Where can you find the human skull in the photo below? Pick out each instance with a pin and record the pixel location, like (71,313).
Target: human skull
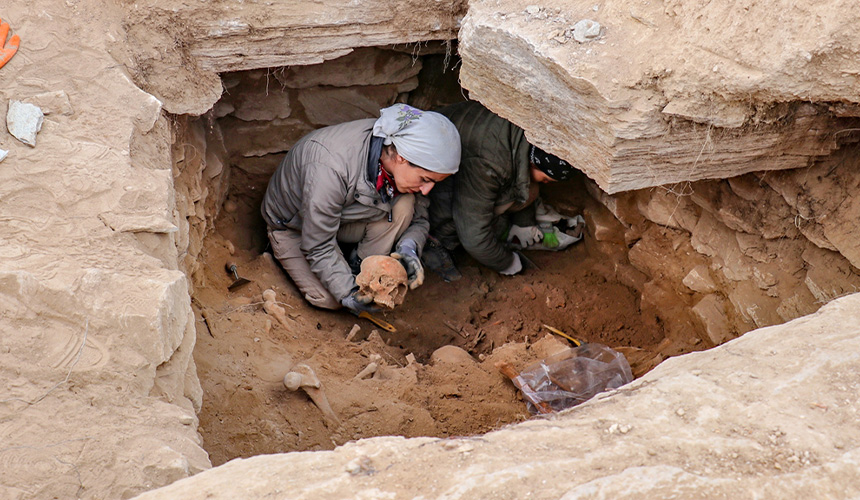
(383,278)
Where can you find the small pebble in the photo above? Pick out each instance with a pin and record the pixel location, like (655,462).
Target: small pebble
(586,30)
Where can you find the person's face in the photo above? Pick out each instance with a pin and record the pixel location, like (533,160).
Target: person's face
(539,176)
(408,177)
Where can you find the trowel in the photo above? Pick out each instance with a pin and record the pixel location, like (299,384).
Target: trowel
(231,268)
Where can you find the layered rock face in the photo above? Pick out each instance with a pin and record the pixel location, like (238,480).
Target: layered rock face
(670,91)
(743,253)
(660,95)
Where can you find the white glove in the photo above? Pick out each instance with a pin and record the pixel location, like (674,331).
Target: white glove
(545,213)
(515,267)
(524,236)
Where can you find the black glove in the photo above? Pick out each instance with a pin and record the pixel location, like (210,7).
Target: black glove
(357,303)
(407,253)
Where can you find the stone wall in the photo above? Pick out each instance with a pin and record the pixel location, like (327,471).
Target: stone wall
(264,112)
(745,252)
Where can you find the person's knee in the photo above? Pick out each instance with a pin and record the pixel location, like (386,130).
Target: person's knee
(324,301)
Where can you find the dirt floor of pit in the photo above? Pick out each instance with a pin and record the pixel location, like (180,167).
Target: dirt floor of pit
(242,353)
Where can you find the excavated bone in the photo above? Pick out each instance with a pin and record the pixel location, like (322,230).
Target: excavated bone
(384,279)
(271,307)
(303,377)
(369,370)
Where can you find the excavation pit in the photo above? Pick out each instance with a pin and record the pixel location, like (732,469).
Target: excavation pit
(242,353)
(641,281)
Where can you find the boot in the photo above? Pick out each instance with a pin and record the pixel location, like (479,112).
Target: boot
(438,259)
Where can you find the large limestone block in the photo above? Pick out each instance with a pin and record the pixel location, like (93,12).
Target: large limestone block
(259,138)
(711,313)
(769,415)
(175,49)
(330,106)
(363,66)
(258,96)
(666,92)
(667,208)
(828,275)
(843,228)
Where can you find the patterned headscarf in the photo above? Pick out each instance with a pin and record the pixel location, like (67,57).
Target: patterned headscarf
(551,165)
(426,139)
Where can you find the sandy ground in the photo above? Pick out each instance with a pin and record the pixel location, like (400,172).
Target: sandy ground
(242,353)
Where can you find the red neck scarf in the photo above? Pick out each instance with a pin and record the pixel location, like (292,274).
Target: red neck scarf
(385,183)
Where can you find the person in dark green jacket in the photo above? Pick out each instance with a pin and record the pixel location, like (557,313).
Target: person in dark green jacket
(491,206)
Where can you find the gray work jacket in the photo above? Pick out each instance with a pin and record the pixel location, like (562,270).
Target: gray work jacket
(325,181)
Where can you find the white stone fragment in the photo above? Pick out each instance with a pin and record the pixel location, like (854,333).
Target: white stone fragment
(24,121)
(532,10)
(3,154)
(586,30)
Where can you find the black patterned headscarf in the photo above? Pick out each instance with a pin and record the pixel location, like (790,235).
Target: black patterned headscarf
(551,165)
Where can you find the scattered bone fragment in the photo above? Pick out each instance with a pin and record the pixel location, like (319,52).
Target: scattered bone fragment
(271,307)
(383,278)
(352,333)
(230,247)
(303,377)
(368,371)
(375,337)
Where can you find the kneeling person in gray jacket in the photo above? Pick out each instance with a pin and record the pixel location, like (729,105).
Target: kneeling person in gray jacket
(363,182)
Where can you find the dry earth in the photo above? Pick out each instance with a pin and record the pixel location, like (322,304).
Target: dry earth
(243,353)
(101,237)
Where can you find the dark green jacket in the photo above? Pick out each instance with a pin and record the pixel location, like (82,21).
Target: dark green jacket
(494,170)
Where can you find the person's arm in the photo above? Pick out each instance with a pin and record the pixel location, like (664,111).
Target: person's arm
(420,225)
(477,187)
(323,198)
(409,246)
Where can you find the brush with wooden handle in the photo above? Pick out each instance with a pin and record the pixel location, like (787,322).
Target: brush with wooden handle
(509,371)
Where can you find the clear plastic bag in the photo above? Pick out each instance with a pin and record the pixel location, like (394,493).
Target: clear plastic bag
(574,376)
